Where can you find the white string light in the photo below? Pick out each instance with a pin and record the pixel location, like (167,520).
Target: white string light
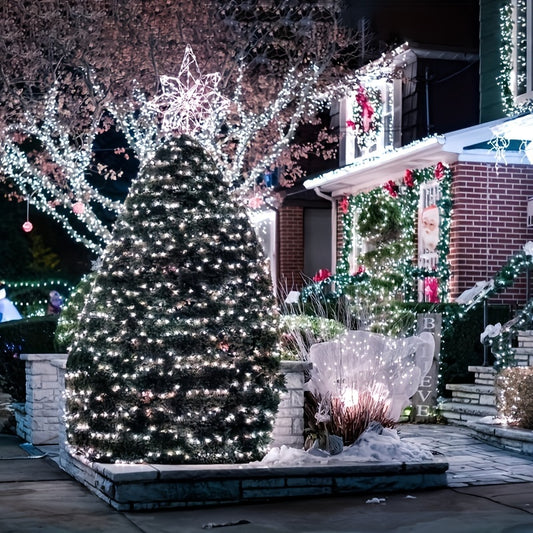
(167,339)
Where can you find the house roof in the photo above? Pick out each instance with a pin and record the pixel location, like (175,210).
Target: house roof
(468,144)
(406,53)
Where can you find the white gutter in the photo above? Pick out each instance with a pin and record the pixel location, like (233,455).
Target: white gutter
(369,172)
(333,251)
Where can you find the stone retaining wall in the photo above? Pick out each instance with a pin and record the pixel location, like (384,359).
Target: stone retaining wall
(523,353)
(39,420)
(289,424)
(140,487)
(511,439)
(137,487)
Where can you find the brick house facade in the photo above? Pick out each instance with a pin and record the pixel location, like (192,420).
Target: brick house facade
(490,187)
(489,216)
(489,224)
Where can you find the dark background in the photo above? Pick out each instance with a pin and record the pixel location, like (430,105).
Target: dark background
(436,22)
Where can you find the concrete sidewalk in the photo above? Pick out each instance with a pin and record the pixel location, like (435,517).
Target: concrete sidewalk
(490,491)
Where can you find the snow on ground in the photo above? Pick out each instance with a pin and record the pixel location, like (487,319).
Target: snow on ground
(383,445)
(489,420)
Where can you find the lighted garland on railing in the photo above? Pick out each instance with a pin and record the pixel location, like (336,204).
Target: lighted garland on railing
(505,277)
(501,344)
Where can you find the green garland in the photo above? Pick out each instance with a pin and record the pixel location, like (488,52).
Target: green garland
(510,28)
(502,344)
(396,215)
(387,216)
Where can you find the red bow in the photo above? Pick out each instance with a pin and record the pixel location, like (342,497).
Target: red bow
(343,205)
(321,275)
(367,109)
(439,171)
(408,178)
(392,188)
(360,270)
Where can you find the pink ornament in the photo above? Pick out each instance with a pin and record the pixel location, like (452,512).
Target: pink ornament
(255,202)
(27,226)
(78,208)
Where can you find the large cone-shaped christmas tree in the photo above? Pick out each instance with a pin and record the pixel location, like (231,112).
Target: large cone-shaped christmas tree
(175,357)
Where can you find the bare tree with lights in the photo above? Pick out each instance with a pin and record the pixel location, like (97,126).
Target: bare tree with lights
(273,60)
(56,176)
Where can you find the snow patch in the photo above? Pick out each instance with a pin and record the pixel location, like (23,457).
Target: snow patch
(372,446)
(376,500)
(489,420)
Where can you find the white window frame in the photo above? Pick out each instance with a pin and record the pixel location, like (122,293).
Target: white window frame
(387,138)
(360,246)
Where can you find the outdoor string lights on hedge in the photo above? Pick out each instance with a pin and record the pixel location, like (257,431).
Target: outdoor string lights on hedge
(175,356)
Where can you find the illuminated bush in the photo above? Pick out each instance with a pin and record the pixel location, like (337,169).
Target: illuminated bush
(69,318)
(175,356)
(514,396)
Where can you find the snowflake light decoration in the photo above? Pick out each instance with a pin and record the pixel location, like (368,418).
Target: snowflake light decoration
(189,102)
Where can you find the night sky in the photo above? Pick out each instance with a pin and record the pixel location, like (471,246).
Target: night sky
(431,22)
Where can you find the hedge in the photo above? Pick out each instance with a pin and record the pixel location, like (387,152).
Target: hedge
(29,335)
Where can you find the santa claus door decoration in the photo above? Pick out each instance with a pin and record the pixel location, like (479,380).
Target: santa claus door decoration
(428,240)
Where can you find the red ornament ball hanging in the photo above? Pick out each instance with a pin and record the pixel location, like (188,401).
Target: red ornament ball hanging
(27,226)
(78,208)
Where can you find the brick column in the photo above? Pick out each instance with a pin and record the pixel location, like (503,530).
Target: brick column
(291,247)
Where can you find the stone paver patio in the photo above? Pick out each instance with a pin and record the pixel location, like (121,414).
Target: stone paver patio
(471,461)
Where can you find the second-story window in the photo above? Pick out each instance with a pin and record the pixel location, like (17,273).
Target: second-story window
(371,119)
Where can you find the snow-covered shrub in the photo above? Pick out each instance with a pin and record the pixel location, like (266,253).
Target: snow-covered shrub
(361,377)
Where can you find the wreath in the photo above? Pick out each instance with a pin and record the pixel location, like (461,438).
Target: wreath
(367,112)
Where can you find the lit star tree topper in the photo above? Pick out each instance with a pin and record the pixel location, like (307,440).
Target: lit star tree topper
(189,101)
(233,127)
